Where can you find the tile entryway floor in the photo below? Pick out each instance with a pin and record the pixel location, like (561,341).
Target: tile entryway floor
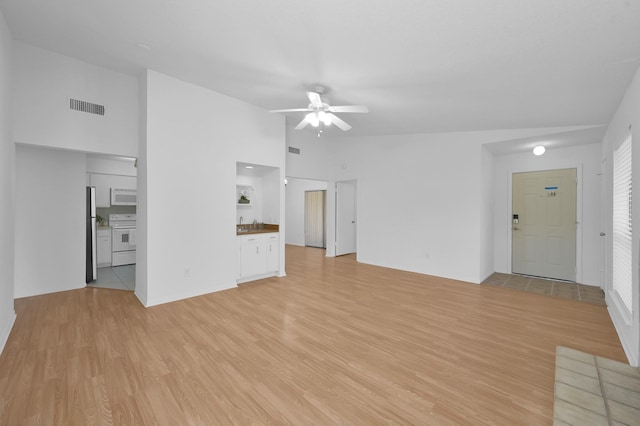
(116,277)
(590,390)
(567,290)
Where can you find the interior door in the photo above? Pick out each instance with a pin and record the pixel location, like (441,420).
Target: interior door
(544,224)
(314,218)
(345,218)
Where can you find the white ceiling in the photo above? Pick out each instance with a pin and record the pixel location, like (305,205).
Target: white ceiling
(419,65)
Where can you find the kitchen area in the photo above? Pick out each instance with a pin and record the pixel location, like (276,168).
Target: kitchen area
(111,222)
(257,222)
(111,207)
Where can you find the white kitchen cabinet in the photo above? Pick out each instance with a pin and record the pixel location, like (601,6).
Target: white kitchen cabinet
(273,252)
(102,183)
(124,182)
(258,256)
(253,256)
(103,248)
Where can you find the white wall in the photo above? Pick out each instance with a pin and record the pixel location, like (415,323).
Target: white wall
(7,161)
(585,158)
(44,82)
(271,184)
(265,198)
(415,195)
(314,157)
(252,211)
(487,214)
(194,137)
(418,205)
(295,193)
(626,118)
(424,201)
(49,248)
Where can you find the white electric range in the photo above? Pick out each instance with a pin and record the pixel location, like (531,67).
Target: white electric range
(123,239)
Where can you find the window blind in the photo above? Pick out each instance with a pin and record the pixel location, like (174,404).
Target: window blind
(622,224)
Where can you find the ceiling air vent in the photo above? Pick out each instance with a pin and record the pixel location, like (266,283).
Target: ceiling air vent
(86,107)
(294,150)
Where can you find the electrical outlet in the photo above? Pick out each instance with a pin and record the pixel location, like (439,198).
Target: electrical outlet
(187,272)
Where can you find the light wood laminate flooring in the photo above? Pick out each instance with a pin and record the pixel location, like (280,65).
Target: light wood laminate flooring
(334,342)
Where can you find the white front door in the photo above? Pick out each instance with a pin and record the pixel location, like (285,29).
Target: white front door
(544,224)
(345,218)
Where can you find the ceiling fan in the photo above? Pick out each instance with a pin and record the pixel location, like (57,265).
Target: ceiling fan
(320,112)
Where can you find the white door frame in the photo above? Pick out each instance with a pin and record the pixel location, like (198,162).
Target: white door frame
(331,216)
(508,224)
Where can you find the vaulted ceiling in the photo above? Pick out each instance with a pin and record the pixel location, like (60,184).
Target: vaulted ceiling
(419,65)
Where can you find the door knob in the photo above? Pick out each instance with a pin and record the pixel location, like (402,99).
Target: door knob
(515,228)
(602,234)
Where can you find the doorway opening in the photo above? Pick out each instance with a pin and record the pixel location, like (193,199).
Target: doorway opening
(544,205)
(339,214)
(307,221)
(315,219)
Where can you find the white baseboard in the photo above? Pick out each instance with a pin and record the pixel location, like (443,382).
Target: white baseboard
(257,277)
(623,330)
(185,295)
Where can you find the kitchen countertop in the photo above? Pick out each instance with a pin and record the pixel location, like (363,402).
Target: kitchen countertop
(256,231)
(267,229)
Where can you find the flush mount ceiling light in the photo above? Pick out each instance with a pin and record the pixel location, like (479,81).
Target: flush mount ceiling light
(539,150)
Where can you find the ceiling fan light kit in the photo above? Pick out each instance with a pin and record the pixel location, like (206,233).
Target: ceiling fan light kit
(319,111)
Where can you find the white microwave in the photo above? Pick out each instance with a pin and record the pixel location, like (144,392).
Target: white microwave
(123,197)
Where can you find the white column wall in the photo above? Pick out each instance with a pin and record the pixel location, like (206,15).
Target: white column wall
(142,211)
(50,220)
(194,137)
(7,161)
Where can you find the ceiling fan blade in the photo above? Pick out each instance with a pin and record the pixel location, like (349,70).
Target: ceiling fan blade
(302,124)
(342,125)
(314,98)
(290,110)
(349,108)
